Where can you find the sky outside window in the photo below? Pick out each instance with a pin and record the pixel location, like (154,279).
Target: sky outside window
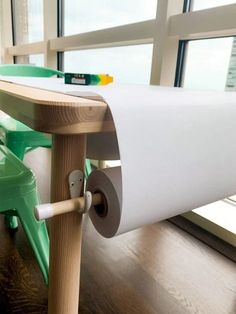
(28,21)
(207,63)
(129,64)
(206,4)
(86,15)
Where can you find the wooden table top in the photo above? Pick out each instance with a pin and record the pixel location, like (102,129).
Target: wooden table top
(53,112)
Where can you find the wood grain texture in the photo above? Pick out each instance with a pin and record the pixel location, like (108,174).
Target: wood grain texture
(115,280)
(206,237)
(68,154)
(52,112)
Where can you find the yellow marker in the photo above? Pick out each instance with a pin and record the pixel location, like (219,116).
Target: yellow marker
(105,79)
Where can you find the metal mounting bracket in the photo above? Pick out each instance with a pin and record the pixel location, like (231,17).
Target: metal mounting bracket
(76,178)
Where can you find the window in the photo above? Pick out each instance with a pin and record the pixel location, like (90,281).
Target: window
(205,4)
(130,64)
(37,59)
(209,64)
(104,14)
(28,21)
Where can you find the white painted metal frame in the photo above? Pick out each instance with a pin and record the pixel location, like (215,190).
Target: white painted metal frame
(132,34)
(214,22)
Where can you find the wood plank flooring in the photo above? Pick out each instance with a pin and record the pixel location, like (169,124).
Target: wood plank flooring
(156,269)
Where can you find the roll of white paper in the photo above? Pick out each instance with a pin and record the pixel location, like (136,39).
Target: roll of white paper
(106,218)
(177,150)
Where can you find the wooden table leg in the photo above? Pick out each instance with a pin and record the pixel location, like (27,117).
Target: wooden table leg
(68,153)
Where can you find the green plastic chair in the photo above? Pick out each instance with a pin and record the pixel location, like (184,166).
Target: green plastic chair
(18,137)
(18,197)
(28,70)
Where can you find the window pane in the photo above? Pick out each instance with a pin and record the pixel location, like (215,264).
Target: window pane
(205,4)
(209,64)
(130,64)
(28,21)
(1,29)
(37,59)
(85,15)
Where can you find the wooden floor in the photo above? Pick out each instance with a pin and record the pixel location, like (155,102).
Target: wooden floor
(156,269)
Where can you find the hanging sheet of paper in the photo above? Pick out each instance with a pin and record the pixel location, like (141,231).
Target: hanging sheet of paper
(177,150)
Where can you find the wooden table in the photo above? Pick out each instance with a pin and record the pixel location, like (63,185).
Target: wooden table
(68,119)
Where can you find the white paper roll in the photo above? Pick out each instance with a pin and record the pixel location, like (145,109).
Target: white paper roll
(178,152)
(106,219)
